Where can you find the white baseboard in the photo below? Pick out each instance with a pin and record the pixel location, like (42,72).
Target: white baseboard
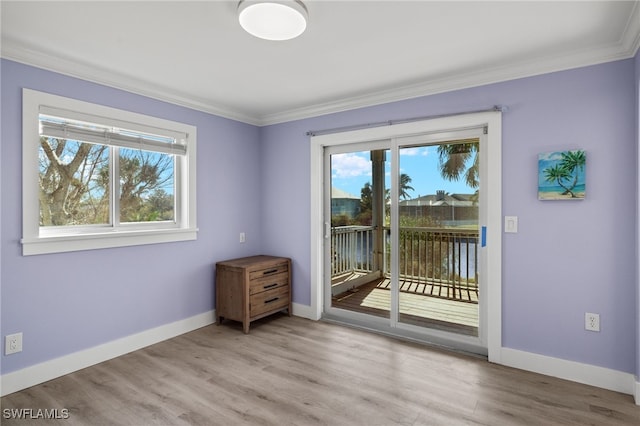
(578,372)
(40,373)
(587,374)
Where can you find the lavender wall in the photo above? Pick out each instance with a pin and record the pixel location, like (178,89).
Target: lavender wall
(637,67)
(568,257)
(67,302)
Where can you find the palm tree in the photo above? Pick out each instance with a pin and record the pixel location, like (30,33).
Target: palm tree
(366,197)
(572,161)
(453,162)
(405,180)
(366,193)
(559,174)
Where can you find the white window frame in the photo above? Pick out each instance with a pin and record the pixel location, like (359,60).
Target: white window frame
(39,241)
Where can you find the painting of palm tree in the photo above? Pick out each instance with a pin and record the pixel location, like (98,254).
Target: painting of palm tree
(561,175)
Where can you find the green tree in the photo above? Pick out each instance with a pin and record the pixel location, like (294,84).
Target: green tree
(162,203)
(75,184)
(453,161)
(366,197)
(366,205)
(405,180)
(71,191)
(142,173)
(341,220)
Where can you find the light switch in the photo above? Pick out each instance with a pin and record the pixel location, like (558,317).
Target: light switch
(511,224)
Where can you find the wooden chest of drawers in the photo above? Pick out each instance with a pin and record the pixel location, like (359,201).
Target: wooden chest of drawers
(253,287)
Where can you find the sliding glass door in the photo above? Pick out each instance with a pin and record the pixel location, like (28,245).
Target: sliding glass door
(401,232)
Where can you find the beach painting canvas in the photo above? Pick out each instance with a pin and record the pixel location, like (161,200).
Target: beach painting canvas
(561,175)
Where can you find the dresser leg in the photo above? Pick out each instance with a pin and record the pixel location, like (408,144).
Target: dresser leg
(245,327)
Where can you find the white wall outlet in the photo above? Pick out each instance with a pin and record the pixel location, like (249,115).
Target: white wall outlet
(591,321)
(243,237)
(12,343)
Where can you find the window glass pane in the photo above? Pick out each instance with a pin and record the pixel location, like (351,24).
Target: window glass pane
(74,183)
(438,236)
(360,231)
(146,186)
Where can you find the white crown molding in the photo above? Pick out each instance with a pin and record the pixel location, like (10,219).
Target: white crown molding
(625,48)
(630,40)
(21,52)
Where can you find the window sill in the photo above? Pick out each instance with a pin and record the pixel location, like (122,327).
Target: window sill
(78,242)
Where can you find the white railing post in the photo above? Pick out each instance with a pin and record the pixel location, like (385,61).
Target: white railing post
(442,264)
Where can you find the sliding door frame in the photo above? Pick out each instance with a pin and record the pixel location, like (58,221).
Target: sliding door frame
(491,166)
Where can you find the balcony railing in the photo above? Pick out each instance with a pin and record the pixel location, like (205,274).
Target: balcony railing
(444,261)
(352,248)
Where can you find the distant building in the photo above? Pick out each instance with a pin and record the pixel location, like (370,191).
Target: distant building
(343,203)
(448,209)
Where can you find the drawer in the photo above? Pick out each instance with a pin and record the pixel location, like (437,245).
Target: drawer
(268,282)
(270,300)
(271,270)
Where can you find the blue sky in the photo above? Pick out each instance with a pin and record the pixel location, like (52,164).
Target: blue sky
(351,171)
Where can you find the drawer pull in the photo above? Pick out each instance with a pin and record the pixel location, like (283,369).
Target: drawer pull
(269,286)
(270,271)
(271,300)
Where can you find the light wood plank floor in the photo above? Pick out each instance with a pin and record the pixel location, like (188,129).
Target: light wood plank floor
(292,371)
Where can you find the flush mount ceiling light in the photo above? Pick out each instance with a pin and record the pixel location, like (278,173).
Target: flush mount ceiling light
(273,19)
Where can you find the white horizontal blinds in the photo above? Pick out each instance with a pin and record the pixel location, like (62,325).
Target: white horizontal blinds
(58,124)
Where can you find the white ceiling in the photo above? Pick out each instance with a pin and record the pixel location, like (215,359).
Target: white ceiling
(354,53)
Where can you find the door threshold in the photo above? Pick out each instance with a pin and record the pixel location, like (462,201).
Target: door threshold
(442,340)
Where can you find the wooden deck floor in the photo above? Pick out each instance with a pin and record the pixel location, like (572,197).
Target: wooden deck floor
(417,306)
